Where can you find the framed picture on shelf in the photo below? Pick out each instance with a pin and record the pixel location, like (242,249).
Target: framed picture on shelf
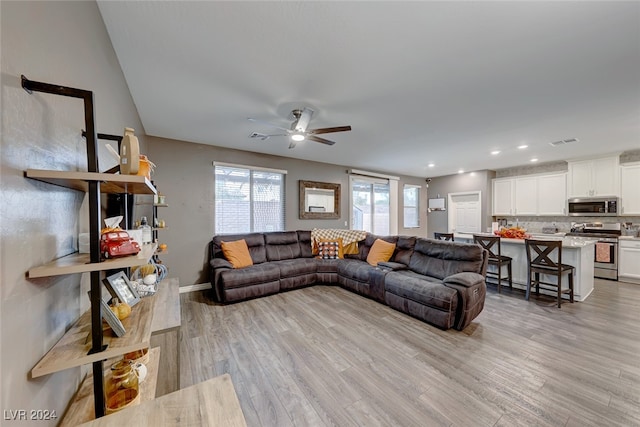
(110,317)
(120,287)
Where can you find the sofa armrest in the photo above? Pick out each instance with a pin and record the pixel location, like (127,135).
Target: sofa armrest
(392,266)
(220,263)
(466,279)
(472,291)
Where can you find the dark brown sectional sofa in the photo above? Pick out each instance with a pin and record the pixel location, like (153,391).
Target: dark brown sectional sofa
(441,283)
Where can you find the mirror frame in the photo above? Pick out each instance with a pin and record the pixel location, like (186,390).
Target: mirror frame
(325,186)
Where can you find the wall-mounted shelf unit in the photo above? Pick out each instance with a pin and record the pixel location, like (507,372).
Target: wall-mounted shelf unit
(86,342)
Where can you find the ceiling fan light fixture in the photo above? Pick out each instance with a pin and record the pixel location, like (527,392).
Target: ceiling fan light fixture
(297,137)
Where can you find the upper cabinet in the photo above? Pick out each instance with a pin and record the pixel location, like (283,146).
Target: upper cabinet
(503,196)
(595,177)
(630,189)
(552,194)
(530,195)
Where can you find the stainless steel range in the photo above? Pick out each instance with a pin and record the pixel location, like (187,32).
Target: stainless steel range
(606,251)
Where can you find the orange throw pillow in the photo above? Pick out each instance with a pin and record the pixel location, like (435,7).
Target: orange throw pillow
(237,253)
(381,251)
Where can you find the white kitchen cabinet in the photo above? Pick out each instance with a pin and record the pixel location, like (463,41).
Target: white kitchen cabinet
(552,194)
(525,195)
(630,189)
(594,177)
(544,194)
(629,260)
(503,196)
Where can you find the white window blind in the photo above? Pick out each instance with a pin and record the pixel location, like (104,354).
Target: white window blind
(411,201)
(248,199)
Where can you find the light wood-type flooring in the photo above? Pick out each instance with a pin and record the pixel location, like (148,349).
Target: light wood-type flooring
(324,356)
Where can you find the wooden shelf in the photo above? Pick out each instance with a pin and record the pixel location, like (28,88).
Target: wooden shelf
(81,407)
(72,349)
(210,403)
(80,263)
(110,183)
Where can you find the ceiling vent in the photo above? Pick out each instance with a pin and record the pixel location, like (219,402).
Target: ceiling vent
(563,142)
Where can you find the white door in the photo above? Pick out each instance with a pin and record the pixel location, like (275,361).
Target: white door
(464,212)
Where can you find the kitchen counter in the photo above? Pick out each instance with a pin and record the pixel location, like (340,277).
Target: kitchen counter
(576,251)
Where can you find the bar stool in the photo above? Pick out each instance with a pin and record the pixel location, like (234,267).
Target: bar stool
(490,243)
(539,253)
(443,236)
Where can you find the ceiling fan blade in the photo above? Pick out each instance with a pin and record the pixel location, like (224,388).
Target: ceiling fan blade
(318,139)
(329,130)
(303,121)
(268,124)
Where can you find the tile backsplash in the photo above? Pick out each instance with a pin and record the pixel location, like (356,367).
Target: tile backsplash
(535,224)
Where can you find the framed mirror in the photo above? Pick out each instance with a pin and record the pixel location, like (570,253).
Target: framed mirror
(319,200)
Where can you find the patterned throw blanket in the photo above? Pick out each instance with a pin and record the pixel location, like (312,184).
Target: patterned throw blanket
(349,238)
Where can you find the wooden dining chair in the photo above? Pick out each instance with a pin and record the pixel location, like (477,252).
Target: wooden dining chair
(443,236)
(492,245)
(540,260)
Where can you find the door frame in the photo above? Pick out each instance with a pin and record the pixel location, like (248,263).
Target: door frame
(451,205)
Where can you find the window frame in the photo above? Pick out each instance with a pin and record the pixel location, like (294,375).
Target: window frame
(416,208)
(252,199)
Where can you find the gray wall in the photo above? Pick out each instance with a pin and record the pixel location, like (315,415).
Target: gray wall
(63,43)
(459,183)
(184,174)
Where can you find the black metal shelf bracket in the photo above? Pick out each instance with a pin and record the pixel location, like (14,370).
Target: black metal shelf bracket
(94,224)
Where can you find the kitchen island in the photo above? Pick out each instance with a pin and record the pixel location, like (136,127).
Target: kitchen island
(576,251)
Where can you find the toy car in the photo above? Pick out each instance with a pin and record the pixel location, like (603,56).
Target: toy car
(117,244)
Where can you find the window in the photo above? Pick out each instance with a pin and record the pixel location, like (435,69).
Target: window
(248,199)
(411,195)
(370,205)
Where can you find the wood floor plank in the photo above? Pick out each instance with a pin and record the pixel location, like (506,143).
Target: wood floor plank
(323,356)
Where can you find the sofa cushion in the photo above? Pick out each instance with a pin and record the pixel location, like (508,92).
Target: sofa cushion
(355,269)
(404,249)
(282,245)
(237,253)
(254,275)
(296,267)
(415,287)
(304,240)
(255,242)
(440,259)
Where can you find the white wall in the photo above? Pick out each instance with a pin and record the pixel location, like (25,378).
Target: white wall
(62,43)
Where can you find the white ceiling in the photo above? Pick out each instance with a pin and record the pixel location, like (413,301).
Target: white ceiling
(419,82)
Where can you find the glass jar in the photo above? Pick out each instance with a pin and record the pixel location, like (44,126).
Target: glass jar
(121,387)
(146,230)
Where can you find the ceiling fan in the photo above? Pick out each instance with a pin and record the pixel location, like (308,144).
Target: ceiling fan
(298,131)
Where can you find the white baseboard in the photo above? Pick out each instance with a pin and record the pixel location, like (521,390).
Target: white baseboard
(194,288)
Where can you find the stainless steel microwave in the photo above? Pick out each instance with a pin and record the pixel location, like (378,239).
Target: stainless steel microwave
(593,206)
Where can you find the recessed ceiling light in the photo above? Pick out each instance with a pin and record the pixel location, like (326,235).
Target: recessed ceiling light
(522,147)
(534,160)
(431,165)
(460,170)
(495,152)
